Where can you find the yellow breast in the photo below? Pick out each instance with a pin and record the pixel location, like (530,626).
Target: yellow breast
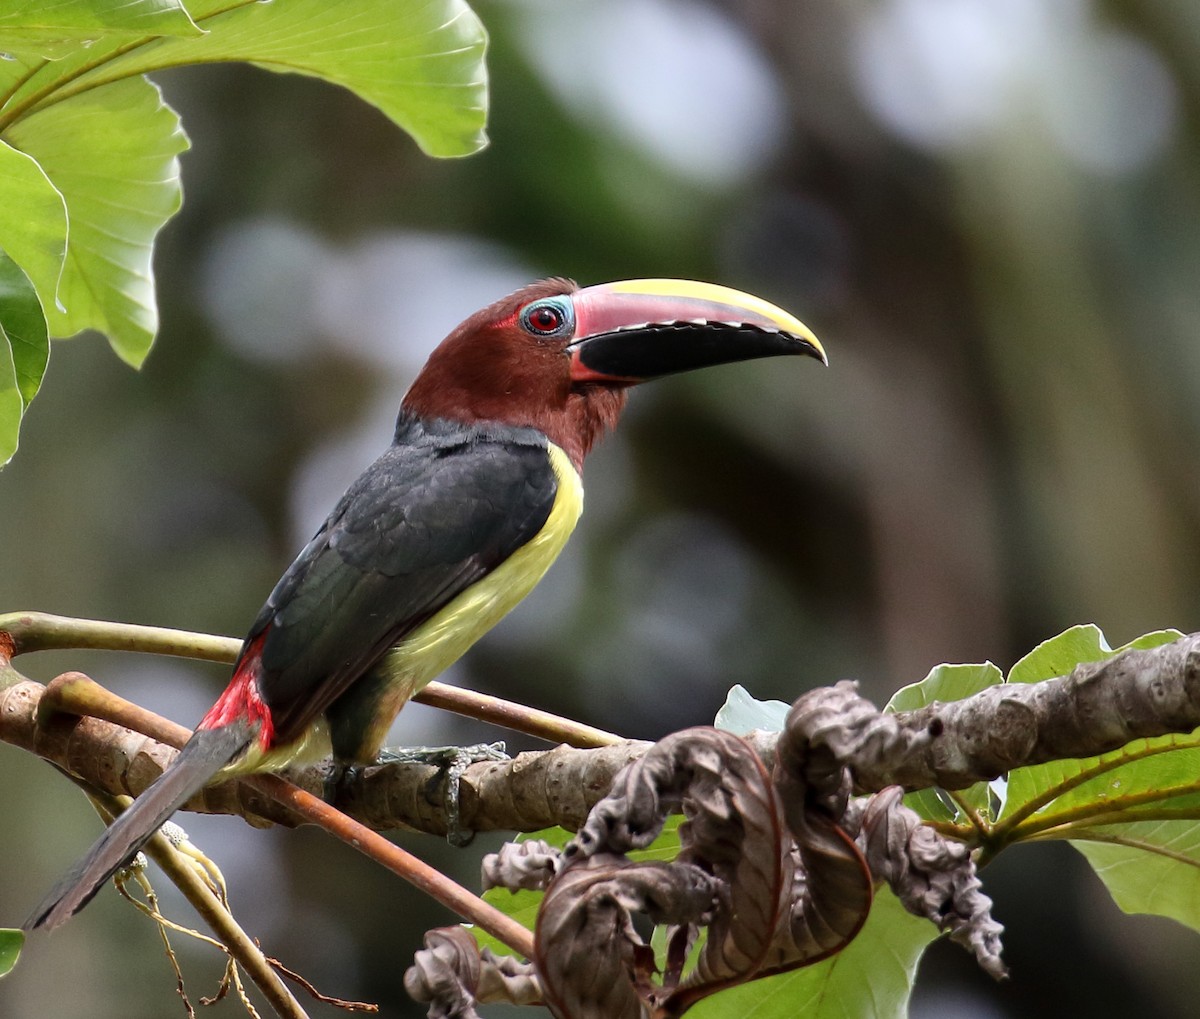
(441,640)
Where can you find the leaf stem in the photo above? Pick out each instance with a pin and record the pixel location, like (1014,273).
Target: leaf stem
(981,825)
(35,100)
(1102,767)
(20,83)
(1116,839)
(1105,813)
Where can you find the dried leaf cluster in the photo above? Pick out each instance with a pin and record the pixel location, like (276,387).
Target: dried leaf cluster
(775,871)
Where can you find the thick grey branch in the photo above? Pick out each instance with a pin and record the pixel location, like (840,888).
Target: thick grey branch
(1098,707)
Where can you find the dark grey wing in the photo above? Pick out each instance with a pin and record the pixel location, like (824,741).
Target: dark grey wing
(421,524)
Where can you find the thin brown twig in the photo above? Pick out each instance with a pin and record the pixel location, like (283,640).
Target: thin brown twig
(342,1003)
(150,906)
(399,861)
(44,631)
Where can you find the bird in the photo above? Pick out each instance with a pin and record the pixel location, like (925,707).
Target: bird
(444,533)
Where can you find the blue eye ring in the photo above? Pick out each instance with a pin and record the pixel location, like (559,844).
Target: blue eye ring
(549,317)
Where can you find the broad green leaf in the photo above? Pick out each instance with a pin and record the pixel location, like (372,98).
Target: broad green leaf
(10,949)
(871,979)
(53,29)
(24,350)
(741,713)
(33,221)
(947,683)
(1084,643)
(1060,654)
(113,154)
(106,141)
(1150,867)
(419,61)
(24,325)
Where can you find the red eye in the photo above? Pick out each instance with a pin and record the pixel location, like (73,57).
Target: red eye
(545,319)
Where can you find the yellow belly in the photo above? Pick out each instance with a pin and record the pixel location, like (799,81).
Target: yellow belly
(441,640)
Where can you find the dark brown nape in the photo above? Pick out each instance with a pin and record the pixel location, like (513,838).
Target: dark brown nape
(490,369)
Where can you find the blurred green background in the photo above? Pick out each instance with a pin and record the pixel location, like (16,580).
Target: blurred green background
(989,212)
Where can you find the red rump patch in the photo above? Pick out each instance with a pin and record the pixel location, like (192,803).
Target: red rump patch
(241,700)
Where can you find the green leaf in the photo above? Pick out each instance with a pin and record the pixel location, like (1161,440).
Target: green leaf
(10,949)
(33,221)
(1150,867)
(1084,643)
(871,979)
(947,683)
(24,351)
(742,713)
(54,29)
(91,132)
(11,404)
(1059,655)
(113,154)
(24,325)
(420,63)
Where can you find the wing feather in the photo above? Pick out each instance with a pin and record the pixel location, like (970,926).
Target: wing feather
(429,518)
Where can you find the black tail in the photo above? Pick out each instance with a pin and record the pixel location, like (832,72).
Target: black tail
(206,753)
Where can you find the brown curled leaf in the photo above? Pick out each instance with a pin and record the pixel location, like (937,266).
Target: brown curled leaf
(831,893)
(771,899)
(529,865)
(451,974)
(733,831)
(445,973)
(932,876)
(823,730)
(782,904)
(831,884)
(592,962)
(826,731)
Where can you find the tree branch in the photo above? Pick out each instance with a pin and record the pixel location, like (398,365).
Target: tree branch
(530,792)
(74,691)
(1098,707)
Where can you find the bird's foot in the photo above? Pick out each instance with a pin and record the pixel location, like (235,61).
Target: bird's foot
(442,757)
(454,761)
(338,776)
